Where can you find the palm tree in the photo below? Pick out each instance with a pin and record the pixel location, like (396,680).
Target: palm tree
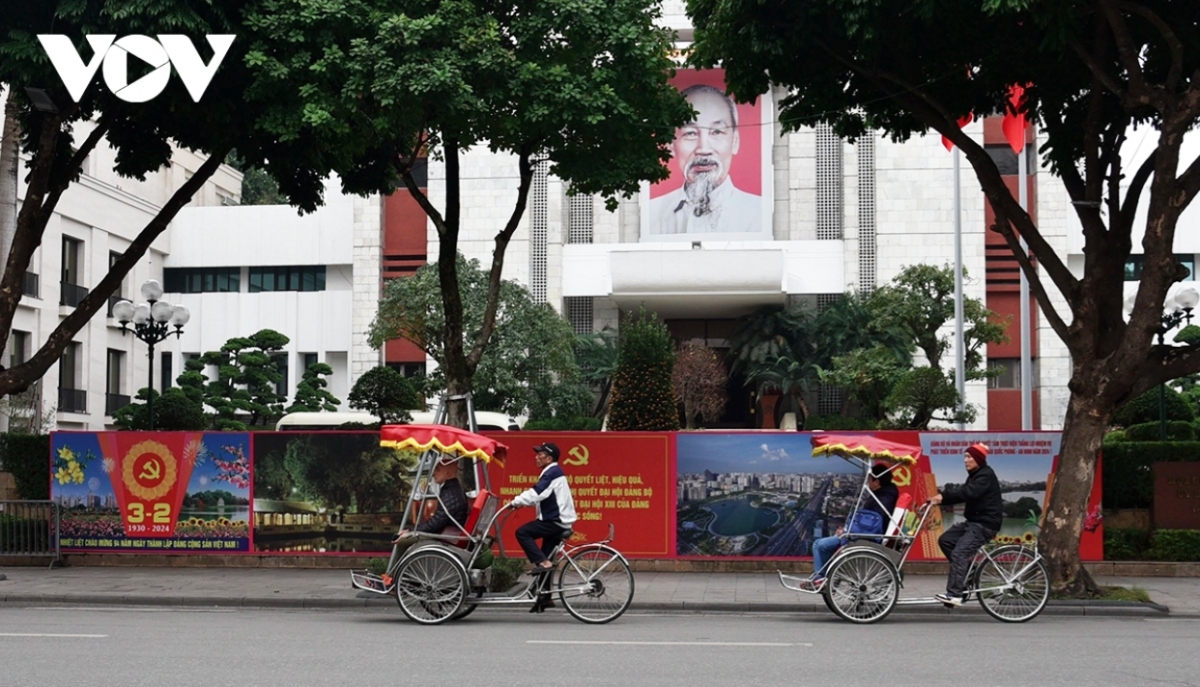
(597,356)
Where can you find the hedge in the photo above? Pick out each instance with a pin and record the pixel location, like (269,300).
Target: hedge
(1143,545)
(1128,479)
(27,457)
(1176,430)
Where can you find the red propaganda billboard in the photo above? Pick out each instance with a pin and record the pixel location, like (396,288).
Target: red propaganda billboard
(620,479)
(152,491)
(764,494)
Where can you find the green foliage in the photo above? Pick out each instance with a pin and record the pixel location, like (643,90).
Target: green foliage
(558,80)
(1176,430)
(505,572)
(1128,477)
(174,410)
(700,383)
(867,375)
(919,302)
(597,357)
(375,480)
(559,424)
(140,139)
(528,367)
(27,457)
(243,394)
(1188,335)
(1126,544)
(1175,545)
(1145,408)
(386,394)
(312,396)
(642,397)
(1144,545)
(918,396)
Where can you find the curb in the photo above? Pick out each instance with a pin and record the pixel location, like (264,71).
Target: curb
(1056,608)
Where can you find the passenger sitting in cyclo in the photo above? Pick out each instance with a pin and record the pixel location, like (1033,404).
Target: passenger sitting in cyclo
(871,518)
(451,509)
(555,516)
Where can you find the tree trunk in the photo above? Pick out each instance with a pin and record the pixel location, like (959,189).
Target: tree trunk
(9,155)
(1082,434)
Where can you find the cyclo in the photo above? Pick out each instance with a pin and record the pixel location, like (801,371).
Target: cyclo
(863,579)
(446,576)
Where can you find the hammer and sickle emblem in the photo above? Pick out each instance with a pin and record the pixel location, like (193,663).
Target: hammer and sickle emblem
(902,476)
(151,470)
(579,455)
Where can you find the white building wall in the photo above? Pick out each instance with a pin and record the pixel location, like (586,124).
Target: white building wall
(106,212)
(344,236)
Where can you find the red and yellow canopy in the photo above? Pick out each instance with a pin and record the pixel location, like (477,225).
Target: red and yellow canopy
(866,447)
(449,440)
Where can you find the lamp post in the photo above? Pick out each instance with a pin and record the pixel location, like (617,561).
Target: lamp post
(152,322)
(1176,311)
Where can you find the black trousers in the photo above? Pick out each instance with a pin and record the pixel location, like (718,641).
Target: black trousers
(960,543)
(551,534)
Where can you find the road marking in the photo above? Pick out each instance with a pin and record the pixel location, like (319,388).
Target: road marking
(40,634)
(634,643)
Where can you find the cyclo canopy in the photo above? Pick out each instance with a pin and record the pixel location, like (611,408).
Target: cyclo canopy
(444,439)
(866,448)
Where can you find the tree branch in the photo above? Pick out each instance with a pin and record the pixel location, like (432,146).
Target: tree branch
(1128,54)
(1133,196)
(1172,40)
(20,377)
(525,168)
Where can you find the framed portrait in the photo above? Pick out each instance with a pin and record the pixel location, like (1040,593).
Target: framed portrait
(721,182)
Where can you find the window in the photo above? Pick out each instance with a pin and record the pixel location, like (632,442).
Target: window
(114,400)
(167,376)
(1010,373)
(71,250)
(71,399)
(287,278)
(281,387)
(116,364)
(309,360)
(72,272)
(18,348)
(409,369)
(202,279)
(1136,263)
(113,256)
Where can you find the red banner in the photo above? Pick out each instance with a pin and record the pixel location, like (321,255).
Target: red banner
(622,479)
(150,476)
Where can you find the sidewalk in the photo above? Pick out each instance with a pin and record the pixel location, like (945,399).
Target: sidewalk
(655,591)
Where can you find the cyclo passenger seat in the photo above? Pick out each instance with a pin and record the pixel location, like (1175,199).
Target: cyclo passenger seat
(478,518)
(896,524)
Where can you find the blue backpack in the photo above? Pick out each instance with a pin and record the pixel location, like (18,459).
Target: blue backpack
(866,522)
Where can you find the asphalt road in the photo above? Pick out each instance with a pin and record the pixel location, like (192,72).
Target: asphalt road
(136,647)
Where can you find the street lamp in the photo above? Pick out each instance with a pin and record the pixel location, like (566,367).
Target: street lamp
(1176,311)
(152,322)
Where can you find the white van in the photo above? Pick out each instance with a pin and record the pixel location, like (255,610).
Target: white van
(486,420)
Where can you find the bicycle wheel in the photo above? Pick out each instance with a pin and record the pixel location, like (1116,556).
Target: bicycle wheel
(596,584)
(431,586)
(1013,586)
(862,587)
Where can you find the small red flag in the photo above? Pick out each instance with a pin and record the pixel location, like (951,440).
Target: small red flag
(1014,120)
(962,121)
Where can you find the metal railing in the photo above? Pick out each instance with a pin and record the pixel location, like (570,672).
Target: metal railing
(31,528)
(72,294)
(115,402)
(72,400)
(30,285)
